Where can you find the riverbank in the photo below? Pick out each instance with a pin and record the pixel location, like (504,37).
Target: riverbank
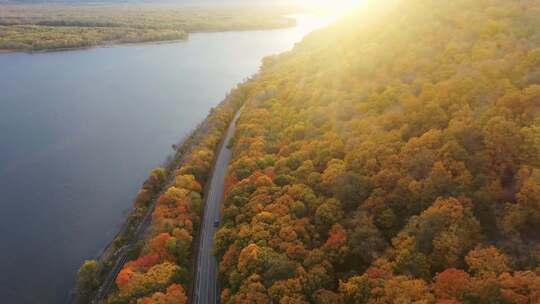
(176,213)
(108,45)
(125,245)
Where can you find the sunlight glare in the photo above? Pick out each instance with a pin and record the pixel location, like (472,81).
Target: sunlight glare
(334,7)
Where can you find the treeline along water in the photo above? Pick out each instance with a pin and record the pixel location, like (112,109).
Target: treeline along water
(80,130)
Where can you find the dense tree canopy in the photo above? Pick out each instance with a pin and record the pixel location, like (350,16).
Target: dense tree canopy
(391,158)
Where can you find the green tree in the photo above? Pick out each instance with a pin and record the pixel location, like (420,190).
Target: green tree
(87,281)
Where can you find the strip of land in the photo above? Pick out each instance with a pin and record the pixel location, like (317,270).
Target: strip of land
(58,27)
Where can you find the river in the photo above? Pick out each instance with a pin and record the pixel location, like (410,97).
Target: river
(80,130)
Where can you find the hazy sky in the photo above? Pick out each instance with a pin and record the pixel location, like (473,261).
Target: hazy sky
(184,2)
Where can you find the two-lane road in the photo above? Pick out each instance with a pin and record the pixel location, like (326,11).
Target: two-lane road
(206,283)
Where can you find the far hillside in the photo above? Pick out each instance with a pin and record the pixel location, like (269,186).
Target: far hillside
(39,27)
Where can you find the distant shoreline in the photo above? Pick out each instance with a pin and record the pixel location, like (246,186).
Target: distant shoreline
(292,23)
(97,46)
(54,28)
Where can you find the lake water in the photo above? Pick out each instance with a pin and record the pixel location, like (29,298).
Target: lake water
(80,130)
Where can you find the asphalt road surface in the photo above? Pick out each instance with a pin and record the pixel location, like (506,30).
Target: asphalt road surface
(206,283)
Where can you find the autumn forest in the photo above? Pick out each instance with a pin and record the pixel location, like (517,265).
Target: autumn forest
(392,157)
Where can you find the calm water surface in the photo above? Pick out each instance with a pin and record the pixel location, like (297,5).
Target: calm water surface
(80,130)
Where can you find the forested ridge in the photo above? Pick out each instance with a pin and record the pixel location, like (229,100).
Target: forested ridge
(392,157)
